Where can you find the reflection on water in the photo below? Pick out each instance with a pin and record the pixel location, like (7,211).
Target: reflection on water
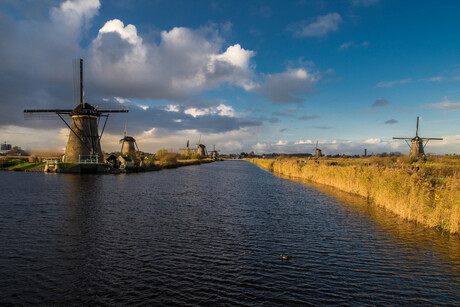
(406,233)
(211,234)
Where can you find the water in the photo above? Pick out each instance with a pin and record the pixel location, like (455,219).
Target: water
(211,235)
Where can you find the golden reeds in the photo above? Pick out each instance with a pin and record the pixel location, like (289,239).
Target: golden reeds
(424,192)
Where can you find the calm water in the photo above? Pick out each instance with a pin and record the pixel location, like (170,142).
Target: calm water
(211,235)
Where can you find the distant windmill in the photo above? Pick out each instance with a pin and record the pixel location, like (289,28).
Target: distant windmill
(84,144)
(214,153)
(318,153)
(128,145)
(201,149)
(417,146)
(186,151)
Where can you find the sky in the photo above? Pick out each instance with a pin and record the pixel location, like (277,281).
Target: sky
(262,76)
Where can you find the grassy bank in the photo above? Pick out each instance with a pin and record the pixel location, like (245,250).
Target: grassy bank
(427,192)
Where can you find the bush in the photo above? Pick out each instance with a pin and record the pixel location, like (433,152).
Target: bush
(168,159)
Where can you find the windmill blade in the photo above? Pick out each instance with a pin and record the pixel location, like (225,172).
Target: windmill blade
(435,139)
(401,138)
(47,114)
(112,108)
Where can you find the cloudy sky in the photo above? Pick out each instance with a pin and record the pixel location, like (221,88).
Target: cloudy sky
(263,76)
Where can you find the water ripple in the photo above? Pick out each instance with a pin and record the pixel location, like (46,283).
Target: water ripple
(212,235)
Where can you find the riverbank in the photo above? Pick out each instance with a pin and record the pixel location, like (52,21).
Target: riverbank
(425,192)
(25,166)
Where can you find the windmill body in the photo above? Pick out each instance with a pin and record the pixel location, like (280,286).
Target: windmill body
(417,147)
(214,154)
(201,149)
(318,153)
(129,145)
(84,143)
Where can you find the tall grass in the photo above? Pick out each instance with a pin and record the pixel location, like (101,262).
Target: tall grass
(408,190)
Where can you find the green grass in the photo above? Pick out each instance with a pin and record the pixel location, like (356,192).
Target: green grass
(25,166)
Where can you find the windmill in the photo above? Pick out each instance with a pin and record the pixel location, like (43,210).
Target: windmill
(201,149)
(84,143)
(417,147)
(128,145)
(318,153)
(214,153)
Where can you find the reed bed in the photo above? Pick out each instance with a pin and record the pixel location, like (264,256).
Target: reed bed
(426,192)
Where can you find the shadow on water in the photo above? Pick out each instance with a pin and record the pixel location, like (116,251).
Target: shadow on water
(408,234)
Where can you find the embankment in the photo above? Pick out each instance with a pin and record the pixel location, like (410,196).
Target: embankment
(404,191)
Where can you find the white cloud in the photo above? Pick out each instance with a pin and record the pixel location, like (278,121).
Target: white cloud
(172,108)
(301,142)
(183,63)
(346,45)
(445,105)
(373,141)
(319,28)
(221,110)
(351,44)
(393,83)
(281,143)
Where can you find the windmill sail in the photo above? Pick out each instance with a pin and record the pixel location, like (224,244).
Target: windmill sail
(417,146)
(84,138)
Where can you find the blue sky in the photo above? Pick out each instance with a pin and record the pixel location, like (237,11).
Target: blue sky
(263,76)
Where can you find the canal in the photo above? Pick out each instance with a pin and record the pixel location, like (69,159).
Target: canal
(212,235)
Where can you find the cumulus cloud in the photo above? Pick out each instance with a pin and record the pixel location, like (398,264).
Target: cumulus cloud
(319,28)
(288,87)
(119,63)
(185,62)
(380,103)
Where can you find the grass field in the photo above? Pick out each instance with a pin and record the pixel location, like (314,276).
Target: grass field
(426,191)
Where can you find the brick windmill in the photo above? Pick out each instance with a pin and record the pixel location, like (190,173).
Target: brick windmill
(417,147)
(84,144)
(129,145)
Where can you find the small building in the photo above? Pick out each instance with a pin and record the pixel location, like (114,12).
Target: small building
(112,160)
(125,161)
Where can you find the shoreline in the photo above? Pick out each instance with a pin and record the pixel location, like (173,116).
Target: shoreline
(76,168)
(404,191)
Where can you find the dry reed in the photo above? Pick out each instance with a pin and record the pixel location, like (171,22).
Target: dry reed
(408,190)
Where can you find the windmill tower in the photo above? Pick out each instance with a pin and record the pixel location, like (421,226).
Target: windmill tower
(186,151)
(214,153)
(417,147)
(318,153)
(84,143)
(201,149)
(128,145)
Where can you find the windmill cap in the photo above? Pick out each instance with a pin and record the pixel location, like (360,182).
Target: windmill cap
(84,109)
(128,139)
